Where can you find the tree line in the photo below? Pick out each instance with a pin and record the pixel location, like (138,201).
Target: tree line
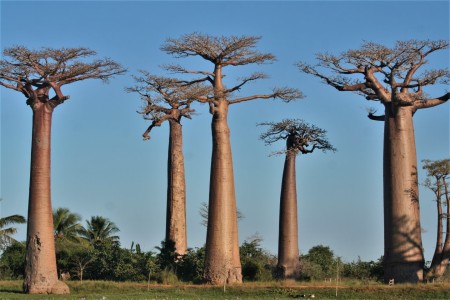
(388,76)
(94,252)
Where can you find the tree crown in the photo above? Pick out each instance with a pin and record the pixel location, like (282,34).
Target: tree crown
(35,72)
(300,136)
(224,51)
(388,75)
(166,98)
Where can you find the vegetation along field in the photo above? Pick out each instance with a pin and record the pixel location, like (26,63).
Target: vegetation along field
(272,290)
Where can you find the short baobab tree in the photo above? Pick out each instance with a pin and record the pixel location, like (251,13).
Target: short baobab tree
(438,181)
(39,75)
(169,99)
(222,263)
(390,76)
(301,138)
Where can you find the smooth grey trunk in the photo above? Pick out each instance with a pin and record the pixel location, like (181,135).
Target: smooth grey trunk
(288,253)
(176,191)
(222,262)
(403,255)
(445,257)
(41,275)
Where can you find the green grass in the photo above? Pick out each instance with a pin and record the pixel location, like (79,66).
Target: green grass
(274,290)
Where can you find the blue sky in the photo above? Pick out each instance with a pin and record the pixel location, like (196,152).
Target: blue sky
(101,165)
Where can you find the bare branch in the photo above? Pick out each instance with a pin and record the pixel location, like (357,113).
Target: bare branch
(300,136)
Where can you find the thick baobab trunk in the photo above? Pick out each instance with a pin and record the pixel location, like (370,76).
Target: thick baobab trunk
(403,255)
(288,253)
(176,192)
(40,268)
(222,262)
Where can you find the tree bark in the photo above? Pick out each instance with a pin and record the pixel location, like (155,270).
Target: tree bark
(41,275)
(288,253)
(176,191)
(437,256)
(446,248)
(222,262)
(403,254)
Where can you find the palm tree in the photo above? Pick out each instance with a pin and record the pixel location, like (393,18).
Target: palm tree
(100,230)
(6,233)
(67,225)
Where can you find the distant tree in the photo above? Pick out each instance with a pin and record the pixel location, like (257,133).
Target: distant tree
(323,256)
(169,99)
(12,261)
(303,138)
(222,264)
(100,230)
(6,233)
(67,225)
(438,180)
(390,76)
(257,263)
(39,75)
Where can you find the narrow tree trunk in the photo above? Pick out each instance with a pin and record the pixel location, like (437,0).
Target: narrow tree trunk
(437,256)
(403,255)
(446,248)
(288,253)
(41,275)
(222,262)
(176,191)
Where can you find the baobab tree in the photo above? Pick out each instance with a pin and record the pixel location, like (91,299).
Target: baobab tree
(222,262)
(39,75)
(438,174)
(391,77)
(301,138)
(169,99)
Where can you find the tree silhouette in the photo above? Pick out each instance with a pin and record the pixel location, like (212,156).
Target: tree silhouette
(169,99)
(390,77)
(303,138)
(39,75)
(222,263)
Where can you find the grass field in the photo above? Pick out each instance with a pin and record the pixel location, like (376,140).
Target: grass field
(276,290)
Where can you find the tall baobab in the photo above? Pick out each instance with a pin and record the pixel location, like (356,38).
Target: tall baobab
(301,138)
(438,173)
(390,76)
(222,263)
(169,99)
(38,74)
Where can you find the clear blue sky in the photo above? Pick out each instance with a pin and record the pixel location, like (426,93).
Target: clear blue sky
(101,165)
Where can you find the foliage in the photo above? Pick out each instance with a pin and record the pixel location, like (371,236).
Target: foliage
(6,233)
(12,261)
(191,265)
(318,263)
(100,230)
(67,225)
(257,264)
